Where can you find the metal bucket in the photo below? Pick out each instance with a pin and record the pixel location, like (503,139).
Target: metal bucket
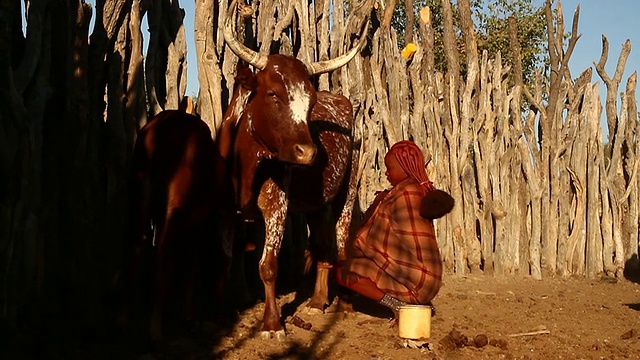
(414,321)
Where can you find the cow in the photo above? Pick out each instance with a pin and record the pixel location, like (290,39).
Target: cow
(175,192)
(289,148)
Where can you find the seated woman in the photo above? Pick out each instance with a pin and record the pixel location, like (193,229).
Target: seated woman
(394,258)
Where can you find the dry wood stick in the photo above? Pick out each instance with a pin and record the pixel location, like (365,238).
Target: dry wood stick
(531,333)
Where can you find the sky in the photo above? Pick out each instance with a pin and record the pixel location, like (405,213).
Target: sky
(618,21)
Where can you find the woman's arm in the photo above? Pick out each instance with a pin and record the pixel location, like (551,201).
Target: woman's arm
(372,208)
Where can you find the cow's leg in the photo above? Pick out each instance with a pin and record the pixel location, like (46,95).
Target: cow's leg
(273,203)
(165,243)
(320,246)
(344,208)
(192,266)
(223,270)
(344,212)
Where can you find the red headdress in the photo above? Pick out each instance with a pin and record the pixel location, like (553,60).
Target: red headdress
(436,203)
(411,160)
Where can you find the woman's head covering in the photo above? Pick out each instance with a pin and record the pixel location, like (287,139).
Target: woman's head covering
(436,203)
(411,160)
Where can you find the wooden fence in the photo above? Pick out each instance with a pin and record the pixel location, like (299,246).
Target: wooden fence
(538,191)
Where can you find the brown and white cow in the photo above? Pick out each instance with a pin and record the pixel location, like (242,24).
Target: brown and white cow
(288,148)
(174,194)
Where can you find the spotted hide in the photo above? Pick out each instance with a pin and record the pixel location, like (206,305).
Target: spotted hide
(289,148)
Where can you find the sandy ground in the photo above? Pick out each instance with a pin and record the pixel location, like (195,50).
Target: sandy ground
(519,318)
(571,318)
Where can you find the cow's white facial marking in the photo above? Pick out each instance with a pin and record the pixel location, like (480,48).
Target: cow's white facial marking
(299,100)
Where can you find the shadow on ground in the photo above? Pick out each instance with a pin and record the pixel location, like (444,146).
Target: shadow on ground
(632,269)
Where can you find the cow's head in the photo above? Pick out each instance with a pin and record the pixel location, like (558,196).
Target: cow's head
(281,98)
(279,107)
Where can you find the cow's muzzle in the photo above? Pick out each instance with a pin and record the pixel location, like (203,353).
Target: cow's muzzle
(304,154)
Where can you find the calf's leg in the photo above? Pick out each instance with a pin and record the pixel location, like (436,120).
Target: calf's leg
(166,244)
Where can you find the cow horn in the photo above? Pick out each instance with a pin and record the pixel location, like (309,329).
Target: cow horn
(320,67)
(252,57)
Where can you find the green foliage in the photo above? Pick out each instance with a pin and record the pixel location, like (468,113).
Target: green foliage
(492,29)
(399,23)
(493,32)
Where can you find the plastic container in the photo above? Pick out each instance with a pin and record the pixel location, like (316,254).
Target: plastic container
(414,321)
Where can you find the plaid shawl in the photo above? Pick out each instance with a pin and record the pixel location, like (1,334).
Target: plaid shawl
(396,248)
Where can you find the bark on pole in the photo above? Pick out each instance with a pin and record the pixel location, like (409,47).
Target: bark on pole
(175,76)
(211,94)
(631,167)
(155,91)
(136,99)
(615,177)
(454,136)
(388,14)
(466,119)
(408,35)
(515,174)
(321,23)
(484,133)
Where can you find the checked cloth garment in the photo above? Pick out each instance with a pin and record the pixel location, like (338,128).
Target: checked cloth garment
(396,248)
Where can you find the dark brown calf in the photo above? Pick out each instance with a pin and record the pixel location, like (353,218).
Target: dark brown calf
(174,193)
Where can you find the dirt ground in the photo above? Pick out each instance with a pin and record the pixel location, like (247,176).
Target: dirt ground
(521,318)
(572,318)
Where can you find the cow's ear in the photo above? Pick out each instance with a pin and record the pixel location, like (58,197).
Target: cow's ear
(245,77)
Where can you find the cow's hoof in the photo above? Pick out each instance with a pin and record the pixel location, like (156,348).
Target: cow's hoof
(279,335)
(314,311)
(315,306)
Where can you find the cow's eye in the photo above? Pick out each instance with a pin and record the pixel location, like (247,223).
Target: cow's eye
(273,98)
